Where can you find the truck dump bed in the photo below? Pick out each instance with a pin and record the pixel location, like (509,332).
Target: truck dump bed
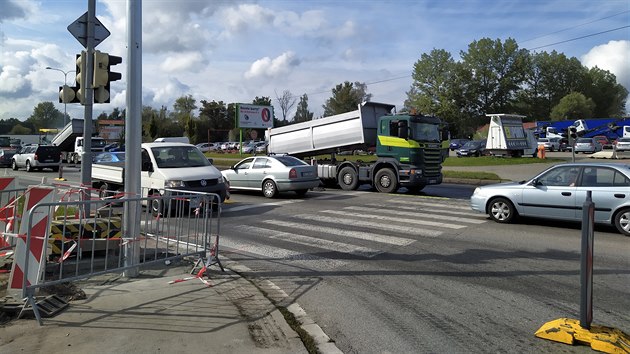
(66,137)
(356,129)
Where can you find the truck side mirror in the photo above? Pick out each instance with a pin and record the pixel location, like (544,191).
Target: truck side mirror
(403,132)
(147,166)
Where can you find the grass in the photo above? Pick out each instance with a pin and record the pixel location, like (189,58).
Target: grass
(227,160)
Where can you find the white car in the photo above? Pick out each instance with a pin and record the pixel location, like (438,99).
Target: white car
(551,144)
(205,147)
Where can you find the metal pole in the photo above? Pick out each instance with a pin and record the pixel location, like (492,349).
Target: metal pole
(86,159)
(133,133)
(65,83)
(586,262)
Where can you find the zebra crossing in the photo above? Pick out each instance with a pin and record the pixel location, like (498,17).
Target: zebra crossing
(358,231)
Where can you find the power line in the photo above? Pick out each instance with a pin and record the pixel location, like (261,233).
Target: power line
(576,26)
(582,37)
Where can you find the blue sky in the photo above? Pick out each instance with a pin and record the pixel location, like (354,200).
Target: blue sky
(236,50)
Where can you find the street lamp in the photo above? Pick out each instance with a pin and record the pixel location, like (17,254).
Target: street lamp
(65,77)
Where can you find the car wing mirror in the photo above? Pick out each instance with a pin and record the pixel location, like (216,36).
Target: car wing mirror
(211,160)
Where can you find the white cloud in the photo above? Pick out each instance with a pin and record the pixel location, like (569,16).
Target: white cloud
(267,67)
(191,61)
(613,56)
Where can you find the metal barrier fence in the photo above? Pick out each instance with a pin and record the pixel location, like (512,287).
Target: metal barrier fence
(85,238)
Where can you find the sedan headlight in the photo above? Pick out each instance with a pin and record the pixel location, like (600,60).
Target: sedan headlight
(174,183)
(220,179)
(477,191)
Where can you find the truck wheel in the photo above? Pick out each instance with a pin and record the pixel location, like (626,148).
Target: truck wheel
(386,181)
(28,166)
(14,165)
(75,159)
(269,189)
(348,180)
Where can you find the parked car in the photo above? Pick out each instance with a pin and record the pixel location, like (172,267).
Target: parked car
(206,147)
(457,143)
(623,144)
(565,145)
(472,148)
(271,175)
(261,147)
(6,156)
(551,195)
(249,148)
(110,156)
(551,144)
(587,145)
(603,141)
(37,157)
(110,147)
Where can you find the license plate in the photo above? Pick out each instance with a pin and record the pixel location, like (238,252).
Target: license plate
(432,181)
(307,174)
(50,160)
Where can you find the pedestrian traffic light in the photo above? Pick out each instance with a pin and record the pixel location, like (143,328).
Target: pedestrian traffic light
(81,69)
(103,75)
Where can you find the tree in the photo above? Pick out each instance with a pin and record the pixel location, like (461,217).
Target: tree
(345,98)
(572,107)
(286,102)
(218,118)
(183,110)
(609,96)
(45,115)
(302,114)
(19,129)
(497,70)
(116,114)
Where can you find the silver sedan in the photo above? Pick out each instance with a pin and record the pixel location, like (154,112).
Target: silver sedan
(559,193)
(272,174)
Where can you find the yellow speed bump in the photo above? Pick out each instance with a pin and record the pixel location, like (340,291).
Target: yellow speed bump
(600,338)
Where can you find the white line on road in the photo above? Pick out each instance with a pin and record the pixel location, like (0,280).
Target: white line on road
(394,220)
(411,231)
(435,216)
(245,207)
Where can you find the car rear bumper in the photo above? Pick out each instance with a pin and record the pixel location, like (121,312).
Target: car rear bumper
(288,185)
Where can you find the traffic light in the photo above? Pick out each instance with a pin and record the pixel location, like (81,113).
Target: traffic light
(103,76)
(68,94)
(81,85)
(573,132)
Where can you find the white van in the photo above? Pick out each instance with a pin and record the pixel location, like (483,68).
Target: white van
(173,139)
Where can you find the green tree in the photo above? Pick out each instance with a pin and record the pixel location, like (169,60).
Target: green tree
(219,120)
(19,129)
(497,70)
(609,96)
(302,114)
(572,107)
(117,114)
(345,98)
(45,115)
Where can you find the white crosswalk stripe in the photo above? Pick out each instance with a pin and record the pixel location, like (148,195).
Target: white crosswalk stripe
(418,215)
(364,230)
(392,240)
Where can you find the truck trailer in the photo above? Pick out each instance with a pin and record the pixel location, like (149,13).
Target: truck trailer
(70,141)
(506,136)
(407,147)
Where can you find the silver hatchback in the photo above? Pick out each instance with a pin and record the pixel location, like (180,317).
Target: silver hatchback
(559,193)
(587,145)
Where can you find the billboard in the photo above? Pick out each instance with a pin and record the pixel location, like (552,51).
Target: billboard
(253,116)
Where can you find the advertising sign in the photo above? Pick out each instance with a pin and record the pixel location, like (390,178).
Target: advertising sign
(252,116)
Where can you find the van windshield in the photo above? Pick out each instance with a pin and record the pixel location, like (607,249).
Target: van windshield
(179,156)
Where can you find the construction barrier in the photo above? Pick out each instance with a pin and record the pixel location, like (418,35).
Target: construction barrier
(76,239)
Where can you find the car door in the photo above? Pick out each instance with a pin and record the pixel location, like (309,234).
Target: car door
(609,189)
(239,177)
(552,194)
(259,171)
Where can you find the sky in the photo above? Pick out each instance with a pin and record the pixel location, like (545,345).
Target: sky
(233,51)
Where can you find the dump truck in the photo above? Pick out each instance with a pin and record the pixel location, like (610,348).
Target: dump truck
(407,147)
(70,141)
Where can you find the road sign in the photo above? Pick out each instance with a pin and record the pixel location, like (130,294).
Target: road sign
(78,29)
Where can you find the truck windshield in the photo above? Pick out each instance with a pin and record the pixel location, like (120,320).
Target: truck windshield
(5,141)
(179,156)
(425,132)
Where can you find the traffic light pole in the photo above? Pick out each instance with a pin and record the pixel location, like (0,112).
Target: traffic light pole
(86,159)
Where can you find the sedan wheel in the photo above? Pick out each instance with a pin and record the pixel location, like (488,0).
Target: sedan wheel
(501,210)
(269,189)
(622,222)
(28,167)
(14,165)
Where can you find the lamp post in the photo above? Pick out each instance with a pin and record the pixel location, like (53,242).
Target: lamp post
(65,77)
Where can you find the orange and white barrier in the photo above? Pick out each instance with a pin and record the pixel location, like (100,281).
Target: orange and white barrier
(7,214)
(39,227)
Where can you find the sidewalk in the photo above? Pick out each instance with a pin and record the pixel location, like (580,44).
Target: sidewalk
(148,315)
